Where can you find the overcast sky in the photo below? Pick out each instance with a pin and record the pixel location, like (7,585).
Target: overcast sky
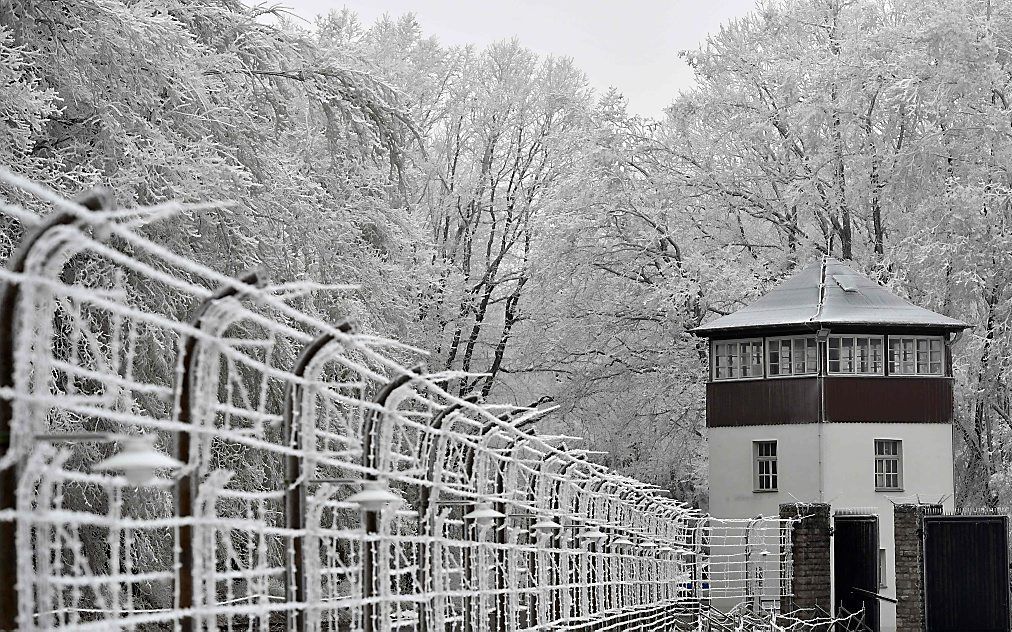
(630,44)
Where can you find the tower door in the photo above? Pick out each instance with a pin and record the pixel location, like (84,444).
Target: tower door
(855,566)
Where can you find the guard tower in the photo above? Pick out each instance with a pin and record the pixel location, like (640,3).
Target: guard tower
(832,389)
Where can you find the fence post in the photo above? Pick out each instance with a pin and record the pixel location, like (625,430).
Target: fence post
(295,482)
(185,486)
(563,601)
(534,601)
(96,199)
(432,453)
(373,430)
(501,536)
(9,475)
(908,525)
(810,547)
(592,593)
(508,608)
(500,571)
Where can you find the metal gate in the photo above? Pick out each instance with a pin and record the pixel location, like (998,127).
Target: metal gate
(966,580)
(855,569)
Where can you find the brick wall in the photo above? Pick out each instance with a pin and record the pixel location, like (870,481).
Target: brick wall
(908,523)
(811,548)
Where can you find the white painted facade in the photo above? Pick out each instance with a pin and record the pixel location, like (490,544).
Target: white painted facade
(832,463)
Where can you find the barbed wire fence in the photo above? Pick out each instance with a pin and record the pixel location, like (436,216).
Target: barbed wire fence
(313,477)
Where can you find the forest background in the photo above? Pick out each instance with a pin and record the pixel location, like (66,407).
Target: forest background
(526,230)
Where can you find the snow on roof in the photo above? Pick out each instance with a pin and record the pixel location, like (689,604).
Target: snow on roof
(828,293)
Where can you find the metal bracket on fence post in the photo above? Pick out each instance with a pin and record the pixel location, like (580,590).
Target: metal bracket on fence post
(184,488)
(372,452)
(94,200)
(295,482)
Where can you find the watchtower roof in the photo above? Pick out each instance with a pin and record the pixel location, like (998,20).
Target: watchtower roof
(827,293)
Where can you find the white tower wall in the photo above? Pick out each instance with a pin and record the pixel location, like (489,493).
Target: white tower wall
(731,462)
(833,463)
(849,475)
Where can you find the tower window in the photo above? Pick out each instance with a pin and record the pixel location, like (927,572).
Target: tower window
(888,465)
(738,359)
(915,356)
(795,355)
(764,469)
(855,355)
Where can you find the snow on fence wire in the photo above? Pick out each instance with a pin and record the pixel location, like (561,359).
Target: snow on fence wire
(324,485)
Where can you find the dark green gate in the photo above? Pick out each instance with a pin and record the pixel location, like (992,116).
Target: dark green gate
(966,578)
(855,566)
